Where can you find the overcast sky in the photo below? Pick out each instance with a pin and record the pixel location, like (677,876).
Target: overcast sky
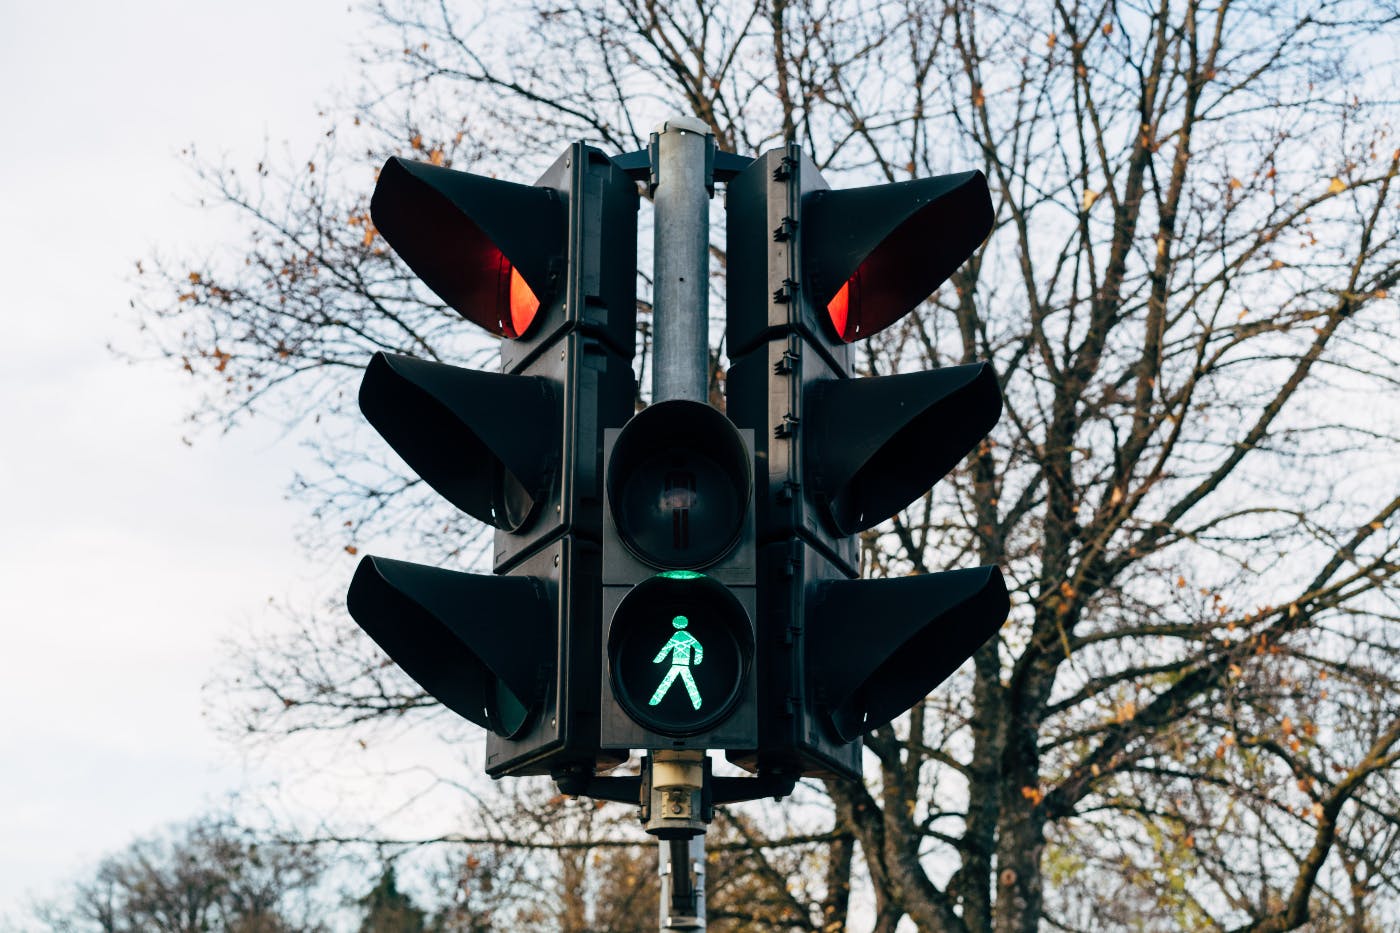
(126,556)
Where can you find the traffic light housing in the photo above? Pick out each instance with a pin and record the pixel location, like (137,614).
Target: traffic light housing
(551,268)
(810,270)
(679,565)
(524,262)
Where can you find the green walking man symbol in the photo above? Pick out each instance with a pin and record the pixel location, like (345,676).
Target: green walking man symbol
(679,648)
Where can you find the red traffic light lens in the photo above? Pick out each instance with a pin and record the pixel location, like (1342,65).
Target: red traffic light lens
(456,230)
(839,308)
(516,304)
(874,254)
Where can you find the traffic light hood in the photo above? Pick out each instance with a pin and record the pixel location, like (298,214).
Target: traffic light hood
(487,442)
(810,270)
(552,266)
(872,254)
(467,235)
(473,642)
(914,632)
(878,444)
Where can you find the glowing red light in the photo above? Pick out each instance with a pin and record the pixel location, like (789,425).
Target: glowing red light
(516,304)
(840,307)
(523,304)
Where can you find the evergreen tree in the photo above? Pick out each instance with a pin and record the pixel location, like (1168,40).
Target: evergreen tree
(389,910)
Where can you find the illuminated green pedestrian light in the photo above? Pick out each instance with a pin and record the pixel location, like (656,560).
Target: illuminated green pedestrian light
(679,648)
(682,678)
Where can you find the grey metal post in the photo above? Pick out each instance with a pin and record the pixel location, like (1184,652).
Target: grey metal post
(681,280)
(682,869)
(680,361)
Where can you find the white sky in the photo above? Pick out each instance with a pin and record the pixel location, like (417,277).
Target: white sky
(126,557)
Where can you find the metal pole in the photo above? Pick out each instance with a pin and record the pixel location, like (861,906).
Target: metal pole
(681,280)
(682,868)
(676,813)
(680,354)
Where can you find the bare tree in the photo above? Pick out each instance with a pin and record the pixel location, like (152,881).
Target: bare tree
(211,875)
(1192,718)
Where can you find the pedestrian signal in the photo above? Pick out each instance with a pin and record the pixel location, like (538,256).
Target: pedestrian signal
(679,643)
(678,581)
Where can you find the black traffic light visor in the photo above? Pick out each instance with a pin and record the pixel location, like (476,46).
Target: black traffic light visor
(467,236)
(487,442)
(871,255)
(913,633)
(476,643)
(878,444)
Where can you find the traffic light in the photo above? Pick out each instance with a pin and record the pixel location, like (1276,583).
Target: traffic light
(678,581)
(551,268)
(811,269)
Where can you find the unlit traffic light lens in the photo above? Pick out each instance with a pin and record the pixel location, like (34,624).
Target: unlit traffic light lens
(460,430)
(459,635)
(679,484)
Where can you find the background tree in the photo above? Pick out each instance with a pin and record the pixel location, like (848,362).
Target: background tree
(210,876)
(389,910)
(1191,718)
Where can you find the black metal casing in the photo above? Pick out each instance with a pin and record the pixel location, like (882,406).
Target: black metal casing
(681,431)
(520,449)
(838,656)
